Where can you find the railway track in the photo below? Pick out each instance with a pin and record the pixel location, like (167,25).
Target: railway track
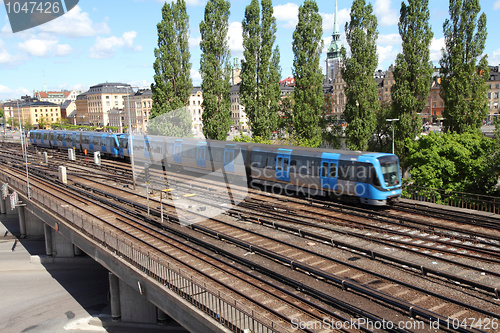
(433,308)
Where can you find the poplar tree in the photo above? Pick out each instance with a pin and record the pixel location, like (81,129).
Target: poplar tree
(172,82)
(412,73)
(357,71)
(464,68)
(260,91)
(215,70)
(308,93)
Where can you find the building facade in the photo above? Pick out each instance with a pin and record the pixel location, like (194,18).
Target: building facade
(56,97)
(103,97)
(493,93)
(140,110)
(82,110)
(239,120)
(195,109)
(41,114)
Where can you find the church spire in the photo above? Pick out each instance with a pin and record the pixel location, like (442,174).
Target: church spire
(335,23)
(334,50)
(335,45)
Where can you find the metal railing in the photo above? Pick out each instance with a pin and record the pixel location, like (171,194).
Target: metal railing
(223,308)
(473,201)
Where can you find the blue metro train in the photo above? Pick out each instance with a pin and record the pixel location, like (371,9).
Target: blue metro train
(372,178)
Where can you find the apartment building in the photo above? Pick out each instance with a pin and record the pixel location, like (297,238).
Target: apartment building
(82,110)
(103,97)
(196,110)
(140,104)
(239,120)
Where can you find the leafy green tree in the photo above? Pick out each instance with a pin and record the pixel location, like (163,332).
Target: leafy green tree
(43,122)
(464,67)
(382,138)
(497,129)
(215,70)
(1,113)
(357,71)
(333,130)
(175,123)
(451,161)
(172,82)
(412,73)
(260,91)
(308,93)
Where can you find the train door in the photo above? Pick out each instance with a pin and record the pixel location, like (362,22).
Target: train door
(201,153)
(229,158)
(73,140)
(283,164)
(104,143)
(329,168)
(178,151)
(91,142)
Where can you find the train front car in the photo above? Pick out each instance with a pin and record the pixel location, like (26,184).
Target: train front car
(382,184)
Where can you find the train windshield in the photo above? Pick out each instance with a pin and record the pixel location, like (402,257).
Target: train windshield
(390,170)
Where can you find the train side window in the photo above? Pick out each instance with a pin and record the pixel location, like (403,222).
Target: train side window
(286,164)
(257,160)
(324,169)
(346,170)
(374,177)
(333,170)
(271,162)
(362,171)
(280,161)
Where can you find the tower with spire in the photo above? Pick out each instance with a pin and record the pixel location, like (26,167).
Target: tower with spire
(333,54)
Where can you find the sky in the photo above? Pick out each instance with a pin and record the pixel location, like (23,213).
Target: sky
(114,41)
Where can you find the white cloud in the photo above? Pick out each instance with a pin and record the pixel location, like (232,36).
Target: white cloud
(496,5)
(328,19)
(106,47)
(9,93)
(494,57)
(5,56)
(235,37)
(287,15)
(195,77)
(386,54)
(386,16)
(435,49)
(194,41)
(75,23)
(390,39)
(43,47)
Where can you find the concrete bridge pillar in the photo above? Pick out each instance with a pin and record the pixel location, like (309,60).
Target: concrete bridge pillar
(22,221)
(34,226)
(163,318)
(135,307)
(61,246)
(128,305)
(48,239)
(114,293)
